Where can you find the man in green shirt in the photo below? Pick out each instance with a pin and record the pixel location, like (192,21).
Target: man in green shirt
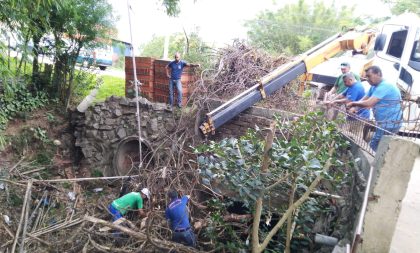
(339,86)
(131,201)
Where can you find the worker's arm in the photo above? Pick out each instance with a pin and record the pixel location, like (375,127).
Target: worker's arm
(337,100)
(192,65)
(332,91)
(142,213)
(366,102)
(167,71)
(340,101)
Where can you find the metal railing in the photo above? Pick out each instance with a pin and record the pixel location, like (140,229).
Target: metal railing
(361,130)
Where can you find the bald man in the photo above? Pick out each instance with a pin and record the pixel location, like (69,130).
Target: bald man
(174,72)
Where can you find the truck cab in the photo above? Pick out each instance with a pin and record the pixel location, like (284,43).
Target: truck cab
(397,49)
(397,52)
(100,57)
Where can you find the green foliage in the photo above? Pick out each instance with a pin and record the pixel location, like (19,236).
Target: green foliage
(171,7)
(84,82)
(43,158)
(3,141)
(111,86)
(32,138)
(297,27)
(195,51)
(217,228)
(17,100)
(401,6)
(302,154)
(15,200)
(41,135)
(97,173)
(298,155)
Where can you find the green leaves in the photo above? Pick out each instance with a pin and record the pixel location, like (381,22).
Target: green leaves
(297,27)
(237,162)
(17,102)
(401,6)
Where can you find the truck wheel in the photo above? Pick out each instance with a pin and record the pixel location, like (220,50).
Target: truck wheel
(102,67)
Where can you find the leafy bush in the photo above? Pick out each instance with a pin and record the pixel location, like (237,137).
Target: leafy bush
(18,100)
(84,82)
(302,153)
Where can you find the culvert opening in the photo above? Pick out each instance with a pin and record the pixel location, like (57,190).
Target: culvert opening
(127,157)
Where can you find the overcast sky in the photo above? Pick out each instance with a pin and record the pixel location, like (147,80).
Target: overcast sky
(219,21)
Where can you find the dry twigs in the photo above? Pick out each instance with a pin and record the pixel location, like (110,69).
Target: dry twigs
(141,236)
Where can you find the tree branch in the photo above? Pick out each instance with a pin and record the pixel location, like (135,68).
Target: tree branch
(141,236)
(259,202)
(295,205)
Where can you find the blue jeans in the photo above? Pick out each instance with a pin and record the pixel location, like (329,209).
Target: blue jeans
(378,136)
(186,237)
(115,213)
(178,85)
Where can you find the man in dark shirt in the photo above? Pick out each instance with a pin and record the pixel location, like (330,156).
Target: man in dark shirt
(177,215)
(176,67)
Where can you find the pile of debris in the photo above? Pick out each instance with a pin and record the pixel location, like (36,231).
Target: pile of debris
(239,67)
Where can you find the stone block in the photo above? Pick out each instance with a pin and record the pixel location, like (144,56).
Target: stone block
(91,133)
(117,112)
(121,133)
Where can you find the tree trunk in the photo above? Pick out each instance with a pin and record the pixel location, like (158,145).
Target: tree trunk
(69,91)
(24,53)
(258,205)
(35,64)
(295,205)
(290,218)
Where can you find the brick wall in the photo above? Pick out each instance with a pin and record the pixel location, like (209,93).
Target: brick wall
(155,84)
(249,118)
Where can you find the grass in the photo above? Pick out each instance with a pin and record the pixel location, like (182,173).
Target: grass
(111,86)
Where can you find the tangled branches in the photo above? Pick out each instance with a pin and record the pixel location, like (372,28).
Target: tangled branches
(240,66)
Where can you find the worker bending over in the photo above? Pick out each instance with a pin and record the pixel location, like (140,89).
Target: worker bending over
(354,92)
(177,215)
(130,201)
(339,86)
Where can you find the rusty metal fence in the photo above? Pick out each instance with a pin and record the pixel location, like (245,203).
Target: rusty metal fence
(363,132)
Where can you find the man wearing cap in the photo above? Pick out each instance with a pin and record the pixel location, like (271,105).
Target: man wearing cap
(130,201)
(177,215)
(354,92)
(339,86)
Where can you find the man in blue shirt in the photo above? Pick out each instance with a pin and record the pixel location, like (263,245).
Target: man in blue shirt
(354,92)
(176,67)
(177,215)
(385,100)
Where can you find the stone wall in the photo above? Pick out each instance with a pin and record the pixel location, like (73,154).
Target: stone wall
(104,126)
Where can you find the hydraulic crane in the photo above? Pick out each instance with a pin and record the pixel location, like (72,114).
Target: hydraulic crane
(300,67)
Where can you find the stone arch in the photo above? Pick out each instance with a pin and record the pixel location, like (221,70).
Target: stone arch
(126,156)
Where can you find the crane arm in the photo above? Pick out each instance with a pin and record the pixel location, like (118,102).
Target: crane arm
(278,78)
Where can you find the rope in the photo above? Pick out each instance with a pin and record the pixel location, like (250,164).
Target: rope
(136,87)
(70,179)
